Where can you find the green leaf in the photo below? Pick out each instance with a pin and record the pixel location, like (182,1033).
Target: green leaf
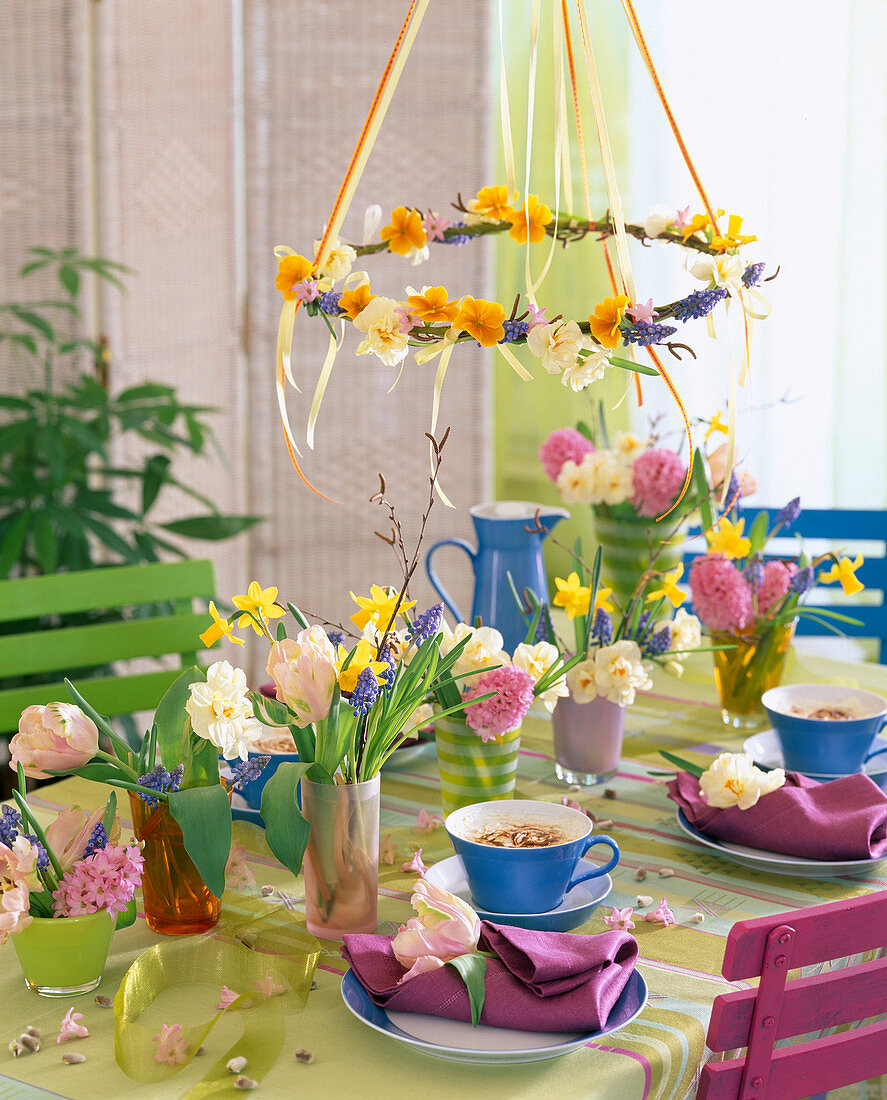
(627,364)
(69,279)
(285,829)
(204,816)
(46,544)
(110,811)
(211,527)
(703,491)
(171,719)
(758,533)
(684,765)
(109,537)
(146,389)
(127,917)
(156,469)
(13,543)
(472,969)
(35,320)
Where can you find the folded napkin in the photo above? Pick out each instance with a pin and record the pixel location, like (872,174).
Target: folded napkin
(539,981)
(845,818)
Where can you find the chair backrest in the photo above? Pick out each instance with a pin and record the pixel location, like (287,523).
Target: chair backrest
(159,621)
(757,1018)
(844,530)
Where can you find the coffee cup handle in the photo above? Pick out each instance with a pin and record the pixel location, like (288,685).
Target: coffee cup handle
(598,871)
(874,752)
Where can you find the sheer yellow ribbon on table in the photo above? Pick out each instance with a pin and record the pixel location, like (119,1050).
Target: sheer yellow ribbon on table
(251,941)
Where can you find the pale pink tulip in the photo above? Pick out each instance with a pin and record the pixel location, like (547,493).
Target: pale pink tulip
(717,466)
(69,834)
(304,672)
(445,928)
(58,736)
(18,876)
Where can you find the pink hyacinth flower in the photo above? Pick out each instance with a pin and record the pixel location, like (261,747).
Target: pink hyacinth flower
(661,914)
(415,865)
(721,595)
(226,997)
(426,822)
(70,1029)
(777,575)
(620,919)
(503,711)
(561,445)
(172,1047)
(657,476)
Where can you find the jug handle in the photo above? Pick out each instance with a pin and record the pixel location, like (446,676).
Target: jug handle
(432,576)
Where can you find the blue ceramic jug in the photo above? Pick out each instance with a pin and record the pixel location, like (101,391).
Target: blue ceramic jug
(504,545)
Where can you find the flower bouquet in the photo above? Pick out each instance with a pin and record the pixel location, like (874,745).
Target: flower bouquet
(749,606)
(76,870)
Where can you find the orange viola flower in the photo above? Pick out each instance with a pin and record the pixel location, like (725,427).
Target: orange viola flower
(485,321)
(291,270)
(533,218)
(432,305)
(355,301)
(605,320)
(492,202)
(406,231)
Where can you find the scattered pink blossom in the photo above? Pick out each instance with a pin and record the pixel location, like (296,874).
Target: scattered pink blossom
(105,880)
(434,226)
(658,475)
(561,445)
(388,850)
(415,865)
(226,997)
(682,218)
(238,875)
(642,312)
(503,711)
(70,1029)
(568,802)
(620,919)
(172,1046)
(721,595)
(268,986)
(777,575)
(536,317)
(307,290)
(661,914)
(426,822)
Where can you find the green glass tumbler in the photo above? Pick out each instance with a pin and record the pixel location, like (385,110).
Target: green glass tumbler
(64,956)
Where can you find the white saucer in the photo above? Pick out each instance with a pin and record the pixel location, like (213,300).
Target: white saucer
(575,909)
(765,750)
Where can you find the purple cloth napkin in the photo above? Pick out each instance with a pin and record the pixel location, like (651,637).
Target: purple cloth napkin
(539,981)
(845,818)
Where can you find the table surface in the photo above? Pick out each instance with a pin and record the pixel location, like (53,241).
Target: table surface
(656,1056)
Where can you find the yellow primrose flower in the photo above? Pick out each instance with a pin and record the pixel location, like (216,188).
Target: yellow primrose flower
(291,270)
(355,301)
(605,320)
(602,600)
(406,231)
(377,608)
(432,305)
(220,628)
(716,424)
(572,596)
(485,321)
(844,570)
(363,658)
(492,202)
(726,538)
(262,602)
(532,218)
(732,238)
(669,589)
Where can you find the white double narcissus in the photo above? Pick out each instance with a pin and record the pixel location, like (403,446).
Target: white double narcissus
(221,711)
(733,780)
(615,672)
(445,928)
(483,650)
(385,337)
(557,344)
(537,660)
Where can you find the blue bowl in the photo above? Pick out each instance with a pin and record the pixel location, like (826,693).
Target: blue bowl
(252,792)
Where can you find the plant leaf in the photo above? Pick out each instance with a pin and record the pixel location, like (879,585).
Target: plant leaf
(204,816)
(685,765)
(285,829)
(472,969)
(211,527)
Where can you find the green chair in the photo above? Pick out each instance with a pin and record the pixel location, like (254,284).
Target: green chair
(158,620)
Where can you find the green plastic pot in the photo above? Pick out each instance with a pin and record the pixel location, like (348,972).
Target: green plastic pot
(64,956)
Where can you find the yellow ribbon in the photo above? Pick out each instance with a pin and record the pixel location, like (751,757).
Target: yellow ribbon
(505,112)
(531,106)
(320,388)
(519,369)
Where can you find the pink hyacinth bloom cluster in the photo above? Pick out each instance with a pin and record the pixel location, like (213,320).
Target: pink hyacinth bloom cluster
(563,444)
(777,575)
(503,711)
(105,880)
(721,595)
(658,476)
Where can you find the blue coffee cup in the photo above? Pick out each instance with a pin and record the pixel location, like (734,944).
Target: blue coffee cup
(524,880)
(826,746)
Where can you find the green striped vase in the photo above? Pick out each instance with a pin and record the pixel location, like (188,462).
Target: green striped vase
(626,552)
(472,770)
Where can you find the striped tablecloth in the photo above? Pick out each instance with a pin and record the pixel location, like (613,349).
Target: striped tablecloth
(656,1056)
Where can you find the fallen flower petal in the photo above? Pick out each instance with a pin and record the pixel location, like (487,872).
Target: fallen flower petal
(620,919)
(415,864)
(388,850)
(171,1045)
(226,997)
(268,986)
(70,1029)
(662,914)
(427,822)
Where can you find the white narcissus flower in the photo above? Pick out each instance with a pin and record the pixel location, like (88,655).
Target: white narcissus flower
(445,928)
(537,660)
(557,345)
(612,482)
(483,650)
(619,672)
(418,256)
(628,446)
(221,711)
(686,631)
(580,681)
(339,261)
(733,780)
(659,219)
(383,326)
(576,482)
(585,371)
(725,271)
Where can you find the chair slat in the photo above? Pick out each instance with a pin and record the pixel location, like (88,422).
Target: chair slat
(98,644)
(99,589)
(823,932)
(809,1004)
(805,1069)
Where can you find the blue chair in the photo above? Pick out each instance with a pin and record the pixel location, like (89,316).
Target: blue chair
(846,531)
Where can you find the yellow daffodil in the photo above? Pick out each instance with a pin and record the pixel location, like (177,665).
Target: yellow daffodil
(572,596)
(355,301)
(363,658)
(377,608)
(406,231)
(485,321)
(220,628)
(726,538)
(669,589)
(492,202)
(262,602)
(602,600)
(533,218)
(844,570)
(732,238)
(605,320)
(432,305)
(697,224)
(290,271)
(716,424)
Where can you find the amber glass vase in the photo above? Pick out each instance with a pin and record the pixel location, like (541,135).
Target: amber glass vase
(177,901)
(743,673)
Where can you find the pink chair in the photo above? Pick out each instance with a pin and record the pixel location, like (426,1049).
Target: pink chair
(756,1018)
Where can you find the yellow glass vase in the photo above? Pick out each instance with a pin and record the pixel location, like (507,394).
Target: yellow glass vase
(744,672)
